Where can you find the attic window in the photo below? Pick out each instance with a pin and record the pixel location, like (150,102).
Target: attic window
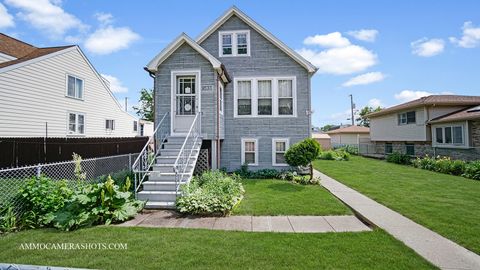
(234,43)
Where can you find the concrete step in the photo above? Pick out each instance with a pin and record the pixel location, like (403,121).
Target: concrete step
(176,139)
(157,196)
(166,159)
(174,152)
(162,177)
(160,205)
(159,185)
(168,168)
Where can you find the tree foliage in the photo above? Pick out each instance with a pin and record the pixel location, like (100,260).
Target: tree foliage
(303,153)
(363,120)
(146,108)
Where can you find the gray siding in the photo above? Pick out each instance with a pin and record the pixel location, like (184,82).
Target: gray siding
(265,60)
(185,57)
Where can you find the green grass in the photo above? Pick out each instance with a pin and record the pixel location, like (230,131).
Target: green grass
(277,197)
(156,248)
(449,205)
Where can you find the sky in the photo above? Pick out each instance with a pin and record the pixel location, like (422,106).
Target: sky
(382,52)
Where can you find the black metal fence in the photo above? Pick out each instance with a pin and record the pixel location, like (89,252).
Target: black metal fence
(16,152)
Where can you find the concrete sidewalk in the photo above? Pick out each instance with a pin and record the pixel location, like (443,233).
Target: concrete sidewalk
(291,224)
(435,248)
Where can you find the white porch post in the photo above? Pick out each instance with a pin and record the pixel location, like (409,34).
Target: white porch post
(214,155)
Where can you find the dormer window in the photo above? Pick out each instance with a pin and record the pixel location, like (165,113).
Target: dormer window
(234,43)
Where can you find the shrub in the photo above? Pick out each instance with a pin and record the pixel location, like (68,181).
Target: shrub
(327,155)
(472,170)
(120,178)
(426,163)
(8,221)
(212,193)
(399,158)
(244,172)
(306,180)
(338,154)
(303,153)
(42,197)
(102,203)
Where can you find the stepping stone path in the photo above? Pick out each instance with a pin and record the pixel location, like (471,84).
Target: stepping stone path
(290,224)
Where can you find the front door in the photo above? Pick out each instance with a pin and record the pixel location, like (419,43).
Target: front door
(185,103)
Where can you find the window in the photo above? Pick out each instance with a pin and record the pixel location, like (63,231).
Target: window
(407,118)
(234,43)
(410,149)
(135,126)
(109,124)
(279,148)
(452,135)
(244,100)
(265,97)
(74,87)
(388,148)
(250,152)
(76,123)
(186,95)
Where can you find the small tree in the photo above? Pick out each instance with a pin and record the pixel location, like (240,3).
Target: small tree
(303,153)
(146,105)
(363,119)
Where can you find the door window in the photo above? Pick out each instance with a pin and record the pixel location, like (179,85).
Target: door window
(186,95)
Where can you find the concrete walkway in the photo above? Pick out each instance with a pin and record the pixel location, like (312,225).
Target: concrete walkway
(435,248)
(292,224)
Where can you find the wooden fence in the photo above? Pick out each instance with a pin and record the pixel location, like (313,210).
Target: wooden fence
(16,152)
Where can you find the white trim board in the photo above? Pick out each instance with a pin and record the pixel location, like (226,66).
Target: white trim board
(274,150)
(262,31)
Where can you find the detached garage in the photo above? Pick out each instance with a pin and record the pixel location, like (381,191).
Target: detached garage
(349,135)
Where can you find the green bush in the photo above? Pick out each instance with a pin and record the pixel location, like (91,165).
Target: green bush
(399,158)
(244,172)
(42,197)
(472,170)
(338,154)
(120,178)
(303,152)
(426,163)
(327,155)
(212,193)
(8,221)
(102,203)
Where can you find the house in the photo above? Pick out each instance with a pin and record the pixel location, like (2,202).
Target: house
(56,92)
(236,91)
(446,125)
(323,139)
(351,135)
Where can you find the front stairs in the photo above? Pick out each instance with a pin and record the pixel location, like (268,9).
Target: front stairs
(159,190)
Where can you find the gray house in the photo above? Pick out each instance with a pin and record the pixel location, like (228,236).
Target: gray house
(237,91)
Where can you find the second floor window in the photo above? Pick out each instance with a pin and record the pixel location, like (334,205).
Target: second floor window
(234,43)
(110,124)
(407,118)
(74,87)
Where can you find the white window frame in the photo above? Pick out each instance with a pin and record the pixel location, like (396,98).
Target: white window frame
(66,87)
(465,138)
(254,140)
(76,133)
(234,43)
(109,130)
(254,96)
(274,150)
(399,118)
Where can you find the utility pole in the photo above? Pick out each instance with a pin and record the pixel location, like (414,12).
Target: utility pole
(352,106)
(126,103)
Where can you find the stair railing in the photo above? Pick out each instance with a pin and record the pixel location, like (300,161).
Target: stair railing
(145,160)
(182,161)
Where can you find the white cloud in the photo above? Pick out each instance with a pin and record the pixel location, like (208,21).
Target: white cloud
(363,79)
(427,47)
(334,39)
(375,102)
(342,117)
(6,19)
(116,85)
(470,37)
(47,16)
(344,60)
(110,39)
(368,35)
(409,95)
(104,18)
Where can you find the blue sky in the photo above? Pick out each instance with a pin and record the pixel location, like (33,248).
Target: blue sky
(406,49)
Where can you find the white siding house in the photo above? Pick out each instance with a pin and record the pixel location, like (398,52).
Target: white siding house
(59,94)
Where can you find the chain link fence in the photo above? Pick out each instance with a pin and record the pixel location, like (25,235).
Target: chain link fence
(13,179)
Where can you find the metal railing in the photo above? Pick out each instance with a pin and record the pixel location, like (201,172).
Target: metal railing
(149,153)
(182,161)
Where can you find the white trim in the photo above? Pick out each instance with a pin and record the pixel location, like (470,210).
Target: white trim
(76,123)
(66,86)
(9,57)
(274,150)
(244,140)
(262,31)
(234,35)
(465,134)
(108,130)
(173,86)
(254,96)
(174,45)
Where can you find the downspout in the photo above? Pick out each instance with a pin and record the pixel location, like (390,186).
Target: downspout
(218,121)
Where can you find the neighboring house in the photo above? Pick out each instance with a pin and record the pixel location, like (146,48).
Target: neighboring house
(250,91)
(146,128)
(349,135)
(435,125)
(323,139)
(56,92)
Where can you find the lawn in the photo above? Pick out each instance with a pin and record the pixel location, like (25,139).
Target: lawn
(444,203)
(156,248)
(277,197)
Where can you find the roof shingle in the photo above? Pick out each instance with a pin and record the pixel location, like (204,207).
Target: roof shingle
(350,129)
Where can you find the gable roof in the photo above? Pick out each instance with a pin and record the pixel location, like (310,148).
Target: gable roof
(152,66)
(262,31)
(14,47)
(465,114)
(36,53)
(432,100)
(350,130)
